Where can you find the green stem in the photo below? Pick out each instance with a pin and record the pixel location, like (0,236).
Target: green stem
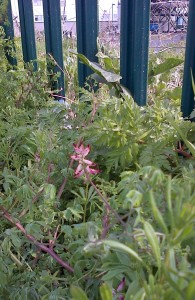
(169,202)
(85,205)
(107,205)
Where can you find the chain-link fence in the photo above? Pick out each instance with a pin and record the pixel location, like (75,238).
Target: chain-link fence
(168,26)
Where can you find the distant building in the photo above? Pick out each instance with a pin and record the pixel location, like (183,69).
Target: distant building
(67,16)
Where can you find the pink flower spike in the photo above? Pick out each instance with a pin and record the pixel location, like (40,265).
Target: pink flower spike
(84,165)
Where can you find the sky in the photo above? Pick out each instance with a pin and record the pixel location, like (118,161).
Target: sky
(70,7)
(107,5)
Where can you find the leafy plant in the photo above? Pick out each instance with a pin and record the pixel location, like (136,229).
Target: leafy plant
(97,196)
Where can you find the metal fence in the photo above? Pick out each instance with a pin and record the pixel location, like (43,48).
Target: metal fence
(137,17)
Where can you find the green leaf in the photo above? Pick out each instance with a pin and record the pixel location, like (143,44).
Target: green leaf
(113,273)
(190,146)
(49,194)
(174,94)
(16,240)
(77,293)
(184,233)
(157,215)
(169,202)
(190,290)
(35,230)
(134,197)
(119,246)
(193,83)
(153,241)
(106,292)
(108,76)
(167,65)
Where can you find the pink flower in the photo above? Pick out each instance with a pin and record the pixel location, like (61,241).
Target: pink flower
(120,288)
(84,164)
(121,285)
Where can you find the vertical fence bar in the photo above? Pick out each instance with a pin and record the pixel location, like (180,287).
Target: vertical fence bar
(27,31)
(53,41)
(7,24)
(87,32)
(135,20)
(188,103)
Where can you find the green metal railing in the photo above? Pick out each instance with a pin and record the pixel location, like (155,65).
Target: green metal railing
(87,32)
(188,103)
(134,44)
(27,31)
(7,25)
(53,42)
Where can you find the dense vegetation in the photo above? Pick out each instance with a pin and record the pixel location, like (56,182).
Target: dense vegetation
(97,197)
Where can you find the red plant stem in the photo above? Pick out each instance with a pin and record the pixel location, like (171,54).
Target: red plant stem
(186,154)
(65,265)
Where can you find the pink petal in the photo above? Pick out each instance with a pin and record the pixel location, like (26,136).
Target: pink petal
(76,157)
(92,171)
(79,168)
(89,162)
(81,150)
(79,174)
(78,149)
(121,285)
(86,151)
(79,171)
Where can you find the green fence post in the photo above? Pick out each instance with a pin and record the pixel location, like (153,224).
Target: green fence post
(87,32)
(7,23)
(27,31)
(135,20)
(188,103)
(53,42)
